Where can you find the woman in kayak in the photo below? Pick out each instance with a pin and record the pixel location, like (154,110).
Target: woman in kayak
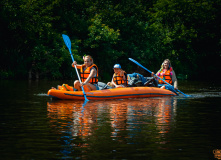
(119,79)
(88,74)
(167,73)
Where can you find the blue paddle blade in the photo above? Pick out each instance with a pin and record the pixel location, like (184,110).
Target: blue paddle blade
(67,41)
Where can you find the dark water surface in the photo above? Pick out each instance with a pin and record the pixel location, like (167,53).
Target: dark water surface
(35,127)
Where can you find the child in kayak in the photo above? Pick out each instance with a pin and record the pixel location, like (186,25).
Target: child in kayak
(119,79)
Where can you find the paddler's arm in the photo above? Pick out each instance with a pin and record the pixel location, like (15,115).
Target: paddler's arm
(77,65)
(174,79)
(113,82)
(125,80)
(152,74)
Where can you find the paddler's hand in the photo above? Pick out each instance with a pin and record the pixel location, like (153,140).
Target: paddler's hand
(82,83)
(74,63)
(119,86)
(152,74)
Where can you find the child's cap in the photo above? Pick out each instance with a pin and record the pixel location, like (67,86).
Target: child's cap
(117,66)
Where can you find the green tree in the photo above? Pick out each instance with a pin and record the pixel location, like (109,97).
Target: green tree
(30,38)
(186,31)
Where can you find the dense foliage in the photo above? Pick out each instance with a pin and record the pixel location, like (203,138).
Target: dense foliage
(185,31)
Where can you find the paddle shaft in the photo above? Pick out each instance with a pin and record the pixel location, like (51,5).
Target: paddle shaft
(154,74)
(68,44)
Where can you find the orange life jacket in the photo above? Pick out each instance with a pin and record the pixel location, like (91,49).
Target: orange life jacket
(120,79)
(166,77)
(85,74)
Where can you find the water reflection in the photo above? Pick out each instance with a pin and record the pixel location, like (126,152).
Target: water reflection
(123,121)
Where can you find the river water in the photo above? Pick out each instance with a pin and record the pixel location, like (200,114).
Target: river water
(35,127)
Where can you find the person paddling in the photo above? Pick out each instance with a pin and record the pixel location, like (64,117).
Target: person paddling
(119,79)
(88,74)
(167,73)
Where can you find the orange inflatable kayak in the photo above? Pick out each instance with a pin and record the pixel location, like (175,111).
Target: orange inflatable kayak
(115,93)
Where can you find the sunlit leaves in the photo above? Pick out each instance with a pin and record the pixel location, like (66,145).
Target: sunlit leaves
(100,32)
